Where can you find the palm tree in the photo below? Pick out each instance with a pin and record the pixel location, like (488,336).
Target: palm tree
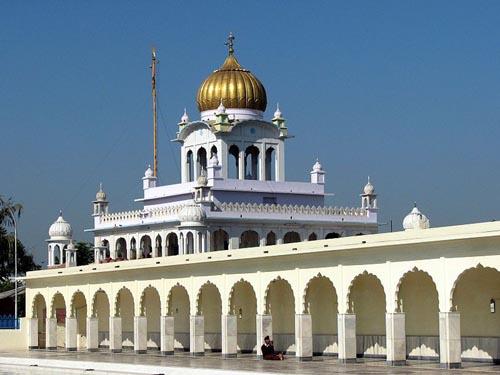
(9,211)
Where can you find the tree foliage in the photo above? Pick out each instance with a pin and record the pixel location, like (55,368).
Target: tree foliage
(84,254)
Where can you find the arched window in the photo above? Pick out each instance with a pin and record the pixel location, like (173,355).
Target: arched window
(189,243)
(213,151)
(270,164)
(145,247)
(291,237)
(332,235)
(271,238)
(133,249)
(190,165)
(313,237)
(220,240)
(201,161)
(252,163)
(158,246)
(121,248)
(172,244)
(57,254)
(249,238)
(232,170)
(107,254)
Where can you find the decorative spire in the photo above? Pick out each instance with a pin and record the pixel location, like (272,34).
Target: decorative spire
(230,43)
(221,109)
(185,117)
(278,113)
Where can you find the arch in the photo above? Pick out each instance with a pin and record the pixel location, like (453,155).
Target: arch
(57,255)
(101,309)
(213,151)
(220,240)
(280,304)
(209,304)
(58,311)
(158,246)
(271,238)
(201,161)
(366,298)
(145,247)
(133,248)
(189,243)
(243,304)
(190,166)
(121,248)
(252,163)
(78,310)
(107,253)
(150,305)
(312,237)
(39,311)
(270,164)
(178,306)
(249,238)
(124,308)
(232,172)
(291,237)
(172,244)
(332,235)
(320,300)
(417,296)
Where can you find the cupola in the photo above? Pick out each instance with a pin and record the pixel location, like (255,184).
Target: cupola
(415,220)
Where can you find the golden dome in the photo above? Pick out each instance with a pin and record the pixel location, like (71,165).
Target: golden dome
(236,86)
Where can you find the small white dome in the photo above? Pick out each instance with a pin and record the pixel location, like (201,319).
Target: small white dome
(101,195)
(221,109)
(317,167)
(192,214)
(416,220)
(149,172)
(278,113)
(369,189)
(185,117)
(60,229)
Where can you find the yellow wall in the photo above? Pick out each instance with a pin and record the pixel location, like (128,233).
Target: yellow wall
(179,309)
(280,302)
(152,309)
(211,308)
(244,298)
(322,302)
(368,303)
(14,339)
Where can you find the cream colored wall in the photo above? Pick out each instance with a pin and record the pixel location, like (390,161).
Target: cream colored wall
(280,304)
(152,309)
(14,339)
(244,299)
(211,308)
(126,310)
(367,299)
(321,299)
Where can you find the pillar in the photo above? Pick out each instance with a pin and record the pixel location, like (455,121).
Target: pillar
(346,324)
(115,334)
(167,335)
(396,339)
(140,334)
(264,328)
(92,334)
(32,333)
(229,336)
(51,334)
(303,337)
(71,336)
(241,165)
(197,335)
(450,348)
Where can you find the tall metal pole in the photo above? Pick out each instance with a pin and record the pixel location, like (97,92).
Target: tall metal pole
(153,88)
(13,216)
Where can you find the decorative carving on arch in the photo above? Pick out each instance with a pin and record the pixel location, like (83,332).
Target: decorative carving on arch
(117,302)
(92,310)
(33,304)
(72,302)
(305,305)
(231,293)
(52,303)
(169,297)
(198,295)
(349,290)
(143,296)
(397,301)
(266,292)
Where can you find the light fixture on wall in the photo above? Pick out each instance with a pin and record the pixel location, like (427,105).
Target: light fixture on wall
(492,305)
(240,313)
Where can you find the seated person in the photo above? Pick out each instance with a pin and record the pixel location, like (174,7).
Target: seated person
(268,351)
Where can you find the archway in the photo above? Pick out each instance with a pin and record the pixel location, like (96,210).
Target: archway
(270,164)
(271,238)
(57,255)
(213,151)
(145,248)
(252,163)
(79,311)
(249,238)
(58,311)
(101,311)
(133,248)
(178,307)
(190,166)
(232,171)
(40,312)
(125,310)
(312,237)
(367,300)
(332,235)
(189,243)
(105,244)
(201,161)
(121,248)
(151,310)
(417,297)
(243,305)
(220,240)
(172,244)
(321,302)
(476,296)
(158,246)
(210,306)
(280,303)
(291,237)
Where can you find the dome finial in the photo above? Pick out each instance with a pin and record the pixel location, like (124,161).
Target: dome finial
(230,43)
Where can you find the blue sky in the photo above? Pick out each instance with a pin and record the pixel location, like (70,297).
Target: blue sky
(406,92)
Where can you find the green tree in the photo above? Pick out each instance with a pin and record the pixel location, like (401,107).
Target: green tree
(85,253)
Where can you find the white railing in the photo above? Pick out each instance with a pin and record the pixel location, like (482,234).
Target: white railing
(142,214)
(292,209)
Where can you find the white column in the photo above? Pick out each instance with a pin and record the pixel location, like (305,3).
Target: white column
(51,334)
(32,333)
(395,338)
(183,166)
(346,324)
(241,165)
(167,335)
(229,336)
(71,337)
(197,335)
(234,243)
(196,244)
(303,337)
(262,163)
(203,243)
(264,328)
(92,334)
(115,334)
(140,334)
(450,348)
